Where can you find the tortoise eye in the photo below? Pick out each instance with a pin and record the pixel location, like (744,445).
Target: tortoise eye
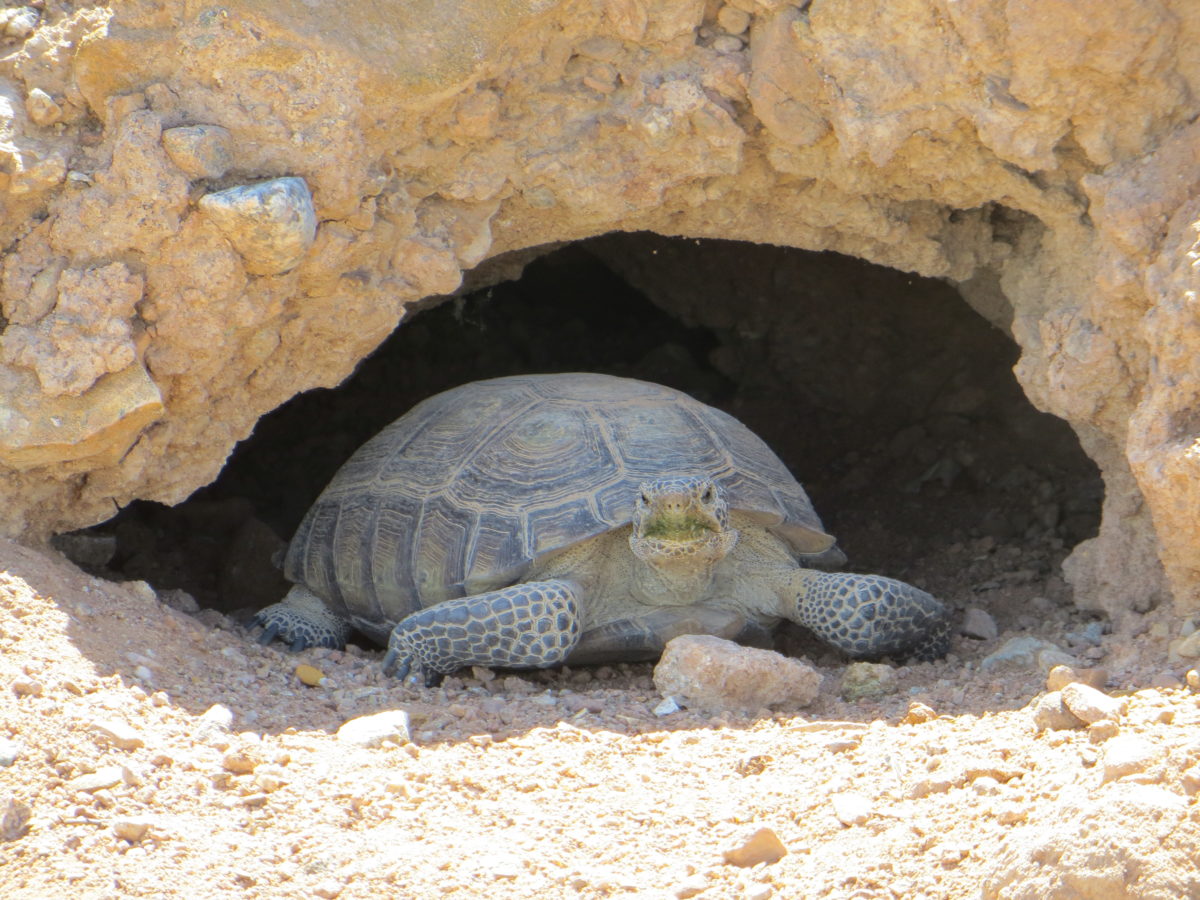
(709,494)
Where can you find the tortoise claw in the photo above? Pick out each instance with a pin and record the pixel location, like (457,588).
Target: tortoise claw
(396,665)
(269,634)
(298,644)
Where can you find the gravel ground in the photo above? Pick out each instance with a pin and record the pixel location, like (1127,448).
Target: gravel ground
(159,754)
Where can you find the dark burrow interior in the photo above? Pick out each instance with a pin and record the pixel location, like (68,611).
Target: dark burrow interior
(889,398)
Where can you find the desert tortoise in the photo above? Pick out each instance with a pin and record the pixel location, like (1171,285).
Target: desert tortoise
(533,520)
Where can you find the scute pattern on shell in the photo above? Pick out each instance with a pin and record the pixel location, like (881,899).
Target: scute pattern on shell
(466,491)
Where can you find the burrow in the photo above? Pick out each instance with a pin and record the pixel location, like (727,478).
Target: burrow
(890,399)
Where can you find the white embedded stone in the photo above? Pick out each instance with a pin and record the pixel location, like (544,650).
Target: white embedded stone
(42,108)
(271,224)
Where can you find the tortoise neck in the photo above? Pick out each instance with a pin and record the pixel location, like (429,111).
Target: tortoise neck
(677,573)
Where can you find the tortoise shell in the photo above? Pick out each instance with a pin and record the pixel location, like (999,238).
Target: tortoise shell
(472,488)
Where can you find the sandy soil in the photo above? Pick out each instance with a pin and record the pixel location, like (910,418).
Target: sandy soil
(561,783)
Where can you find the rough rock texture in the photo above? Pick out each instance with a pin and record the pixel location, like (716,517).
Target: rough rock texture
(1042,156)
(714,675)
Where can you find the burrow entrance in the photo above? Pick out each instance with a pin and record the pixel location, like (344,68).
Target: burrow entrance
(891,400)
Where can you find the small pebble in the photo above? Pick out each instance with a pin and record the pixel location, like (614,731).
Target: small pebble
(310,675)
(668,706)
(26,687)
(1090,705)
(201,151)
(1188,646)
(1127,756)
(14,818)
(1104,730)
(733,20)
(851,808)
(240,762)
(41,108)
(271,223)
(269,778)
(1060,676)
(1193,679)
(390,726)
(1051,714)
(19,22)
(863,680)
(763,846)
(978,623)
(1027,653)
(10,752)
(714,675)
(691,888)
(101,779)
(131,829)
(918,713)
(117,733)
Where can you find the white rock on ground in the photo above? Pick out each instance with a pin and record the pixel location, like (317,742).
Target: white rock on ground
(391,726)
(1091,705)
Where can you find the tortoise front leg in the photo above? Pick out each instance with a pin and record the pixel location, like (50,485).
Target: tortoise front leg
(527,626)
(302,619)
(870,615)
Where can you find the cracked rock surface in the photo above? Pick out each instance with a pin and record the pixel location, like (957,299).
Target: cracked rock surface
(1040,156)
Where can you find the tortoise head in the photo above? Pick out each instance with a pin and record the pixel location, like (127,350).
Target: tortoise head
(681,521)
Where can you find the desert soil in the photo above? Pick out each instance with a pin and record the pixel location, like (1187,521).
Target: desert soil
(565,784)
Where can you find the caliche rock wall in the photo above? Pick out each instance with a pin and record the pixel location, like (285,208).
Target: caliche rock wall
(210,208)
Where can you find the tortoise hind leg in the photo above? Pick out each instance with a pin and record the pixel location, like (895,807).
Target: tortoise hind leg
(527,626)
(301,619)
(871,616)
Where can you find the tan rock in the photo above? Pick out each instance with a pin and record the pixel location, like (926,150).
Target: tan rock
(761,846)
(99,425)
(713,674)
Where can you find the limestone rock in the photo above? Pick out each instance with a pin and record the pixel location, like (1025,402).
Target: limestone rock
(713,674)
(271,224)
